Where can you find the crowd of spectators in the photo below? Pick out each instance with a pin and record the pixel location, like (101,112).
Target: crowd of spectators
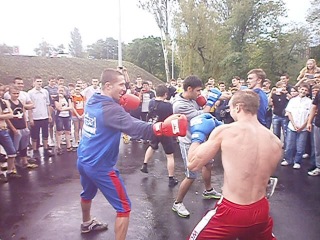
(48,117)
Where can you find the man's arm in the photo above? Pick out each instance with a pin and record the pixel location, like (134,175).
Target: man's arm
(311,116)
(200,154)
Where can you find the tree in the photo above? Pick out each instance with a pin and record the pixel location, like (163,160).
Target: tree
(223,38)
(107,49)
(146,53)
(162,11)
(75,46)
(45,49)
(5,49)
(313,18)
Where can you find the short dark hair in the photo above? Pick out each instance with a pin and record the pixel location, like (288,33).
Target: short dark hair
(109,75)
(16,78)
(305,85)
(145,82)
(161,90)
(192,81)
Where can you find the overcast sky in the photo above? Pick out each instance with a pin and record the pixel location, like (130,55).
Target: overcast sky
(25,23)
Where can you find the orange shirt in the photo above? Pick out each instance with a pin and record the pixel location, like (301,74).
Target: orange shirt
(78,104)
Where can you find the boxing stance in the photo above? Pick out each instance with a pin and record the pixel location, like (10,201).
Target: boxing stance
(250,154)
(104,120)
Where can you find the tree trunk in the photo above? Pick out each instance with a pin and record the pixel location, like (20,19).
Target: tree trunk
(164,44)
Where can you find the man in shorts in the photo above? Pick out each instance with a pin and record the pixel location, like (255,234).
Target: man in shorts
(104,121)
(243,211)
(159,110)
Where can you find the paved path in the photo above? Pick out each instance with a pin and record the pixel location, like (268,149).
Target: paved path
(44,204)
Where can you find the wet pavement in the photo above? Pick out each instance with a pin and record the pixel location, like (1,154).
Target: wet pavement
(44,203)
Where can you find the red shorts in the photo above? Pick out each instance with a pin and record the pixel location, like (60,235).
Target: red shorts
(232,221)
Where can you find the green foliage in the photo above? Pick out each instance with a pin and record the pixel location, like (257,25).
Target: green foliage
(147,53)
(5,49)
(107,49)
(224,38)
(75,46)
(44,49)
(313,19)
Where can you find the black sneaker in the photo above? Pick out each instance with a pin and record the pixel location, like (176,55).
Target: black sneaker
(95,225)
(144,169)
(47,153)
(32,160)
(13,175)
(173,182)
(3,178)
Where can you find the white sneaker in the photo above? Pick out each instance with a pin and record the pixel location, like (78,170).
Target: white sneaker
(180,209)
(271,186)
(306,155)
(296,166)
(314,172)
(284,163)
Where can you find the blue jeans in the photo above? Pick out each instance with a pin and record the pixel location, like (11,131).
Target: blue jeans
(278,123)
(295,146)
(7,144)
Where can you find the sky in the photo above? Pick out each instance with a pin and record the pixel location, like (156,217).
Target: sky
(26,23)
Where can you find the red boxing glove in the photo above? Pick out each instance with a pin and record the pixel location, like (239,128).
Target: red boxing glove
(201,100)
(174,125)
(129,102)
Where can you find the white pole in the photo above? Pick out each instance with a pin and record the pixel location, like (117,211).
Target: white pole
(119,40)
(172,60)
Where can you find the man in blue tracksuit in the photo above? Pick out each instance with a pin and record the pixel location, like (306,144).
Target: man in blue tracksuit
(104,120)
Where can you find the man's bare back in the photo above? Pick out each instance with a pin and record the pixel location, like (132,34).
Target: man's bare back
(250,154)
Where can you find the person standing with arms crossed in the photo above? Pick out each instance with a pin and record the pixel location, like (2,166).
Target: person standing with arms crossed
(243,211)
(104,120)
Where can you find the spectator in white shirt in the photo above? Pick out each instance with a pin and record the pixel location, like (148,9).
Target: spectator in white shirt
(89,91)
(39,116)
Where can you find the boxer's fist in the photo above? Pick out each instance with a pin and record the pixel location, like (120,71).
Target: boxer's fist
(201,126)
(129,102)
(213,96)
(174,125)
(201,100)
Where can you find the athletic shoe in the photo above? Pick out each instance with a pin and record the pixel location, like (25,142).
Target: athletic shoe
(32,160)
(59,151)
(296,166)
(173,182)
(30,165)
(284,163)
(3,178)
(271,186)
(13,175)
(180,209)
(144,168)
(211,194)
(95,225)
(314,172)
(47,153)
(306,155)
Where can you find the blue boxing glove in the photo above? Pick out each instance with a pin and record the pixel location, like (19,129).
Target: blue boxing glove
(201,126)
(213,96)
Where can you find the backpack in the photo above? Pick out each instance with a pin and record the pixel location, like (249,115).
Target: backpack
(152,116)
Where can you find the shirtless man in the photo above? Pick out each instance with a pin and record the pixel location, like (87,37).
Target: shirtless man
(243,211)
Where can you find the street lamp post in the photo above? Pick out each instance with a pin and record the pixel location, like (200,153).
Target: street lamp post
(119,40)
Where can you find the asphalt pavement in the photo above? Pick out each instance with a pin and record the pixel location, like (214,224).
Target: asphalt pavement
(45,204)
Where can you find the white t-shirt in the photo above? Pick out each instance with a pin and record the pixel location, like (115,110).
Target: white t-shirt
(299,109)
(40,99)
(89,91)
